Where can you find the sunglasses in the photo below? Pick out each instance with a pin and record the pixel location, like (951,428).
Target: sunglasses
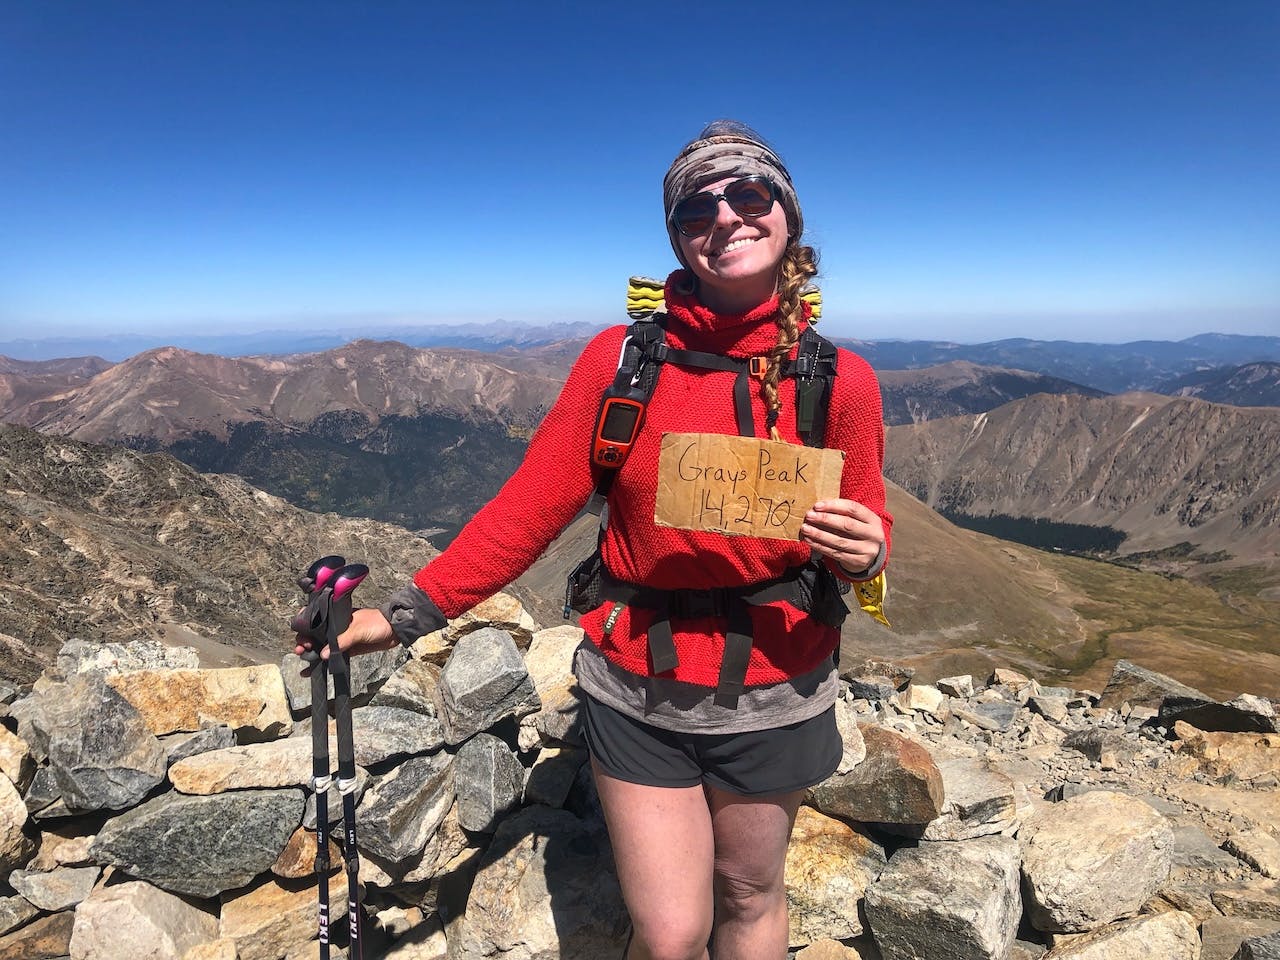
(749,197)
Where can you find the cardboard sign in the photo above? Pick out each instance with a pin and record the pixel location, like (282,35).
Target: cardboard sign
(742,486)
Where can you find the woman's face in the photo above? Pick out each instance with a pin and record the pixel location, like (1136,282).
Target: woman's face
(736,261)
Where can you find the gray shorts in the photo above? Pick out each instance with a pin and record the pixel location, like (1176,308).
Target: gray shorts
(754,763)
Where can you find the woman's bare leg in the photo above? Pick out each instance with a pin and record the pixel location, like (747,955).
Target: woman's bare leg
(751,836)
(663,848)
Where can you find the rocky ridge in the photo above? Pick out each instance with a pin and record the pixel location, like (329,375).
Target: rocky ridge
(148,806)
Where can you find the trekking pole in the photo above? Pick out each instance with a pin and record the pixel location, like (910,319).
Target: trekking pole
(307,623)
(344,583)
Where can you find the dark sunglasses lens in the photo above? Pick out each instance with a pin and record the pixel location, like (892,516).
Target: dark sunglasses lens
(695,215)
(750,198)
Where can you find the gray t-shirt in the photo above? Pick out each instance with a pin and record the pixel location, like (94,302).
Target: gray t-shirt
(688,708)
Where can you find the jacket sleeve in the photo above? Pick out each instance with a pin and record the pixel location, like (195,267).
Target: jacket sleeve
(547,490)
(855,424)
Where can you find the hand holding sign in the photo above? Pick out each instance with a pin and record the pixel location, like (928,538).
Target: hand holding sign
(846,531)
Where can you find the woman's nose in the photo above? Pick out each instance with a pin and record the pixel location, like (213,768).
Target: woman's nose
(726,216)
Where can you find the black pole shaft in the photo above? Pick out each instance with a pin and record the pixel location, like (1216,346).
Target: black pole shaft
(339,620)
(320,788)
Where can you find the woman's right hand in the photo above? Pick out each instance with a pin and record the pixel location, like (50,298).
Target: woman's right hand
(369,632)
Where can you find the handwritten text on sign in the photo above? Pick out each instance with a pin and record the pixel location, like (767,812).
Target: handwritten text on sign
(742,485)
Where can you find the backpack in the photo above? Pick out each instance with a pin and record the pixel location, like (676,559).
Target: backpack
(811,587)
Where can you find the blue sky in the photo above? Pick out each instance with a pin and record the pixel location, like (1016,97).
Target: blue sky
(1073,169)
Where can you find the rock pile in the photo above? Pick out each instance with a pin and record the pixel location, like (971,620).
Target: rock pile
(149,808)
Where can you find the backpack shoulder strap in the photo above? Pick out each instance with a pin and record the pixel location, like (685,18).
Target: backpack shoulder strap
(814,370)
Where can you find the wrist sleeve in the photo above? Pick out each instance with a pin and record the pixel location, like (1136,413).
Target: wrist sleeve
(871,571)
(412,614)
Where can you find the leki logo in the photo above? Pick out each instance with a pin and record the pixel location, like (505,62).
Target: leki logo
(324,923)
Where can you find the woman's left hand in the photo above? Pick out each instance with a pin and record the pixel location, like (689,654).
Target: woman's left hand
(846,531)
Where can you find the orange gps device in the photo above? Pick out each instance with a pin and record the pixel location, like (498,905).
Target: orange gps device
(616,429)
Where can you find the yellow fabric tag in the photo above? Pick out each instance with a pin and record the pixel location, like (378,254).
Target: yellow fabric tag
(871,596)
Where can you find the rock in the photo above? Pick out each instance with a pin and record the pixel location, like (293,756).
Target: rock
(402,809)
(1040,732)
(369,670)
(1231,757)
(1257,848)
(484,681)
(179,746)
(1260,948)
(214,950)
(384,733)
(922,698)
(270,920)
(1169,936)
(42,793)
(871,688)
(830,950)
(15,845)
(58,889)
(978,801)
(201,845)
(1220,937)
(16,761)
(279,763)
(898,782)
(551,777)
(1193,849)
(1103,747)
(855,747)
(414,686)
(46,939)
(1254,901)
(250,700)
(828,868)
(138,921)
(101,756)
(490,782)
(959,686)
(1003,677)
(1092,859)
(14,912)
(550,665)
(545,889)
(994,715)
(80,656)
(426,941)
(1235,717)
(1139,686)
(953,900)
(1051,708)
(503,612)
(298,858)
(897,675)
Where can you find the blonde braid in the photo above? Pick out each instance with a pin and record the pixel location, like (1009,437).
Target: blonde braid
(799,265)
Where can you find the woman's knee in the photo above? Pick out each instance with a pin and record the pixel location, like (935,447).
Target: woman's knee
(674,937)
(746,896)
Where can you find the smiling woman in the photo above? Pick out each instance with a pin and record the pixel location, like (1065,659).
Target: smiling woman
(707,674)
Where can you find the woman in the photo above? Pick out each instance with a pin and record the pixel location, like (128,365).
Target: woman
(699,793)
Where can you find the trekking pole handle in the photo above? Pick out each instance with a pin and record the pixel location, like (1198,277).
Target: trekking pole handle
(320,573)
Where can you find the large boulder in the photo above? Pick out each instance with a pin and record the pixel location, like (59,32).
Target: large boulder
(1169,936)
(1139,686)
(138,921)
(271,919)
(484,681)
(897,782)
(955,900)
(829,866)
(545,890)
(201,845)
(250,700)
(1092,859)
(401,810)
(978,801)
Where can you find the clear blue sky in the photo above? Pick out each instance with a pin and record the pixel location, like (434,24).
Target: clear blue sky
(1085,169)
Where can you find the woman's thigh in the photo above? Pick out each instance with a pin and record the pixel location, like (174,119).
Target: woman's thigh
(750,836)
(664,851)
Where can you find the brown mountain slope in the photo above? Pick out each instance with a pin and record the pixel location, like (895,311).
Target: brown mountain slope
(1161,469)
(102,543)
(168,393)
